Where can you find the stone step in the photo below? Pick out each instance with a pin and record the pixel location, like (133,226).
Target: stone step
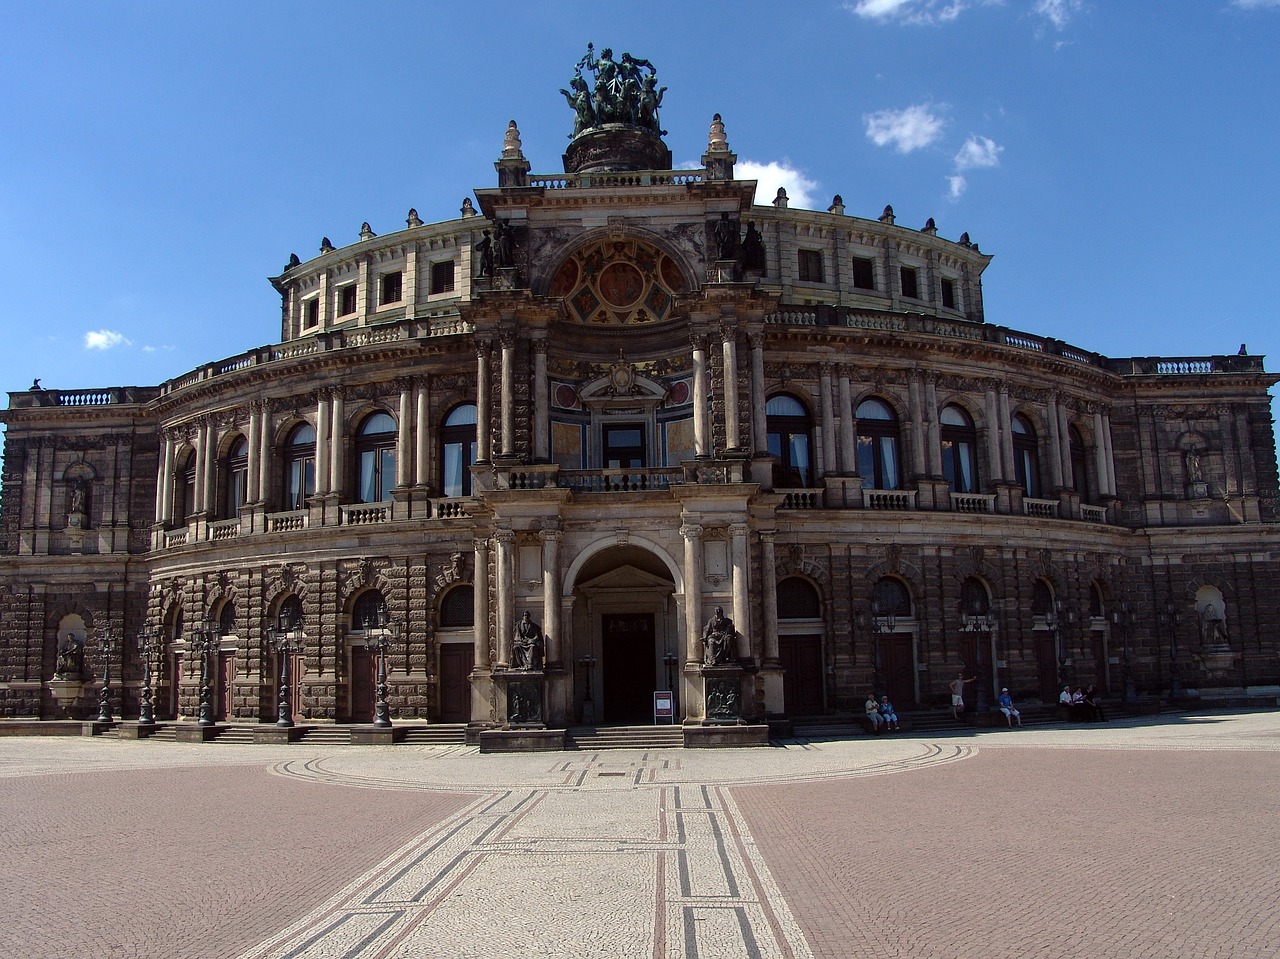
(441,734)
(625,737)
(327,736)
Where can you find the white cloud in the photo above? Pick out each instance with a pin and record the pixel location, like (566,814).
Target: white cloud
(907,11)
(956,185)
(104,340)
(769,176)
(978,152)
(906,130)
(1058,12)
(1255,4)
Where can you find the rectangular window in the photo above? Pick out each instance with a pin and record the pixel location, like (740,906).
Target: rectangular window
(442,277)
(909,287)
(347,299)
(864,273)
(623,447)
(948,294)
(311,312)
(391,288)
(810,266)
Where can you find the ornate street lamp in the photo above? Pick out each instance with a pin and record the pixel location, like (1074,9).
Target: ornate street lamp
(204,643)
(106,644)
(388,632)
(1122,620)
(587,663)
(1056,618)
(883,622)
(149,642)
(982,623)
(669,660)
(1172,617)
(282,636)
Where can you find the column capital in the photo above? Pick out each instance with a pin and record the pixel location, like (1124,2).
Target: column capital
(691,532)
(739,529)
(507,338)
(825,368)
(767,535)
(755,339)
(480,544)
(505,536)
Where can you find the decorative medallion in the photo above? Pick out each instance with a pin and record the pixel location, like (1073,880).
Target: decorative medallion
(617,282)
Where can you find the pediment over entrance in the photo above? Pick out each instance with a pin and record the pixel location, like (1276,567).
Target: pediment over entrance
(624,577)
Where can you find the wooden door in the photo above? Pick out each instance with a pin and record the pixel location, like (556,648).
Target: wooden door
(175,682)
(898,669)
(1047,667)
(456,663)
(364,666)
(225,679)
(628,668)
(1099,643)
(801,658)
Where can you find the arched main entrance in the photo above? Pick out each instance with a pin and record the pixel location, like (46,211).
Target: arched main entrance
(626,636)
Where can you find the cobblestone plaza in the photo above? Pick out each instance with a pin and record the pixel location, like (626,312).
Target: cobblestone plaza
(1144,837)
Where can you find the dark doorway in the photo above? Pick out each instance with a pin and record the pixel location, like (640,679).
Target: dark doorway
(364,665)
(898,669)
(1099,644)
(1047,666)
(456,662)
(801,658)
(629,670)
(175,681)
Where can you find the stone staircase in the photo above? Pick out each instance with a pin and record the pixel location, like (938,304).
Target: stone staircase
(327,736)
(435,734)
(625,737)
(235,735)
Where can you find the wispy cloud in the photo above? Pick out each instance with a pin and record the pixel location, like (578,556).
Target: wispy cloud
(1058,12)
(104,340)
(907,11)
(905,130)
(1256,4)
(772,175)
(956,185)
(978,152)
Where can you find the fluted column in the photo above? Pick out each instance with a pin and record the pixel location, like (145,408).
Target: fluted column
(848,435)
(934,446)
(508,393)
(480,601)
(323,453)
(541,403)
(251,461)
(769,598)
(1006,435)
(484,402)
(422,434)
(915,406)
(1064,446)
(828,420)
(701,432)
(551,593)
(164,481)
(337,443)
(1109,456)
(404,437)
(264,453)
(1055,444)
(741,585)
(692,534)
(733,438)
(759,417)
(506,594)
(210,502)
(995,428)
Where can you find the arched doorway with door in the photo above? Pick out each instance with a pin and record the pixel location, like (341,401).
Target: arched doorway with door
(800,632)
(455,638)
(625,638)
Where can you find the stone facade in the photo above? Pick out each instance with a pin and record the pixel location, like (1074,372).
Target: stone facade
(597,399)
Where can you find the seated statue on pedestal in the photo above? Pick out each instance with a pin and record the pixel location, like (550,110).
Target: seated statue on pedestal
(718,639)
(526,645)
(70,658)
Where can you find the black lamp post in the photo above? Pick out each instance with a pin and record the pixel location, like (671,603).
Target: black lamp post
(204,641)
(1056,618)
(107,645)
(1172,617)
(1122,620)
(148,643)
(388,631)
(587,663)
(281,637)
(882,624)
(669,660)
(982,623)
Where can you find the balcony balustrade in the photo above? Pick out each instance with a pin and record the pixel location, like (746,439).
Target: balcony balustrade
(1042,508)
(888,498)
(973,502)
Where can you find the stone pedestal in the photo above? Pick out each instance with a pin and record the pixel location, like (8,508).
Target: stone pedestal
(191,733)
(722,695)
(523,697)
(136,730)
(525,740)
(66,696)
(281,735)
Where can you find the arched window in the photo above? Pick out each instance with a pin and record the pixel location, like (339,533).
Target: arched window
(299,466)
(1041,598)
(974,600)
(237,473)
(889,597)
(290,616)
(797,599)
(227,619)
(376,458)
(369,610)
(1079,463)
(789,442)
(878,444)
(1097,603)
(458,453)
(458,608)
(1026,457)
(185,488)
(959,441)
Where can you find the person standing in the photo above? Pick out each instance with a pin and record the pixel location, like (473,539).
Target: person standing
(957,693)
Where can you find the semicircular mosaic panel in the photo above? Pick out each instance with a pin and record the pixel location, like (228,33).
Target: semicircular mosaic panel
(618,282)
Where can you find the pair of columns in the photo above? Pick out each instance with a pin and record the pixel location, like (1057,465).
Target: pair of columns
(505,618)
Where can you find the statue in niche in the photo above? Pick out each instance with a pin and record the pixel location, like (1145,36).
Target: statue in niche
(79,497)
(70,658)
(718,639)
(726,236)
(503,253)
(752,249)
(526,645)
(1195,474)
(1213,628)
(485,248)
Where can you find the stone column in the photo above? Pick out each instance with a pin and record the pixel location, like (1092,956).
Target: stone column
(915,407)
(995,429)
(251,465)
(264,454)
(164,481)
(508,393)
(1064,446)
(480,594)
(828,420)
(422,434)
(934,445)
(404,437)
(692,534)
(323,453)
(759,421)
(733,438)
(741,586)
(210,503)
(769,598)
(1055,443)
(848,428)
(337,444)
(541,402)
(1109,455)
(506,594)
(551,593)
(1006,435)
(484,403)
(701,432)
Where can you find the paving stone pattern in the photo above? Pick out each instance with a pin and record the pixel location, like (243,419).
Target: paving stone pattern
(1139,838)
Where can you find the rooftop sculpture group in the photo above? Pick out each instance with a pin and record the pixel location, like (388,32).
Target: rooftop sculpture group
(623,91)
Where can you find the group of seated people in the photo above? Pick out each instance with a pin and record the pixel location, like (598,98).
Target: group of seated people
(880,714)
(1082,704)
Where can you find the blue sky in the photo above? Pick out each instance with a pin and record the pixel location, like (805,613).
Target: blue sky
(160,160)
